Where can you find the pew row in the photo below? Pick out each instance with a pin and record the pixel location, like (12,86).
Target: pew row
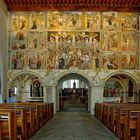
(29,118)
(122,119)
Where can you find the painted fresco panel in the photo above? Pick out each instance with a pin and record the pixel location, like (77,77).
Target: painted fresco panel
(129,22)
(19,21)
(19,59)
(37,20)
(66,20)
(110,61)
(18,40)
(128,61)
(129,41)
(37,40)
(110,41)
(64,39)
(92,21)
(110,21)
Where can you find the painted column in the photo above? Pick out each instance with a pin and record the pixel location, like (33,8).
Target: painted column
(96,96)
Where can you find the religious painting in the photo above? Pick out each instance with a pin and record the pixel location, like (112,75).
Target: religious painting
(110,41)
(129,22)
(40,60)
(37,40)
(32,60)
(110,61)
(37,60)
(64,39)
(55,20)
(92,21)
(74,20)
(19,21)
(18,40)
(110,20)
(42,40)
(65,20)
(37,20)
(129,41)
(95,60)
(128,61)
(19,59)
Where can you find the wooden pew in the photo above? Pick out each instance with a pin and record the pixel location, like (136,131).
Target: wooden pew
(7,125)
(122,119)
(128,119)
(25,118)
(29,117)
(21,121)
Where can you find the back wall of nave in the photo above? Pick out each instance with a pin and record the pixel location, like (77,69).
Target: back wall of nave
(97,41)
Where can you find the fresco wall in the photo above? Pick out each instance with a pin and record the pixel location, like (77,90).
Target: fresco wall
(87,40)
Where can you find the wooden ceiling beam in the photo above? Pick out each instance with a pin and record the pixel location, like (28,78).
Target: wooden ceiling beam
(42,2)
(132,2)
(91,2)
(124,2)
(12,2)
(74,4)
(32,2)
(71,8)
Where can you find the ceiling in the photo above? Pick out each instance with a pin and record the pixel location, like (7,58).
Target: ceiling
(83,5)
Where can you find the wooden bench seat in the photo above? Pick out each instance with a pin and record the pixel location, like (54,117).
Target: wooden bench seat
(7,125)
(29,118)
(122,119)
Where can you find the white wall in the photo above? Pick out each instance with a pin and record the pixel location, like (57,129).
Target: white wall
(3,45)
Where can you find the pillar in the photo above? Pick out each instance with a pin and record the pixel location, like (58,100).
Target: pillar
(96,96)
(54,97)
(50,95)
(124,96)
(44,94)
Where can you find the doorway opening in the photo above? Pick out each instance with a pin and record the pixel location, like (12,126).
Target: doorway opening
(73,93)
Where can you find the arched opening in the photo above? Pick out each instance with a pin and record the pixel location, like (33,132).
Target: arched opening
(73,92)
(25,87)
(121,88)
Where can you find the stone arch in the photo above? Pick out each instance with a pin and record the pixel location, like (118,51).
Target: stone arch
(130,75)
(12,78)
(69,75)
(22,80)
(125,78)
(80,73)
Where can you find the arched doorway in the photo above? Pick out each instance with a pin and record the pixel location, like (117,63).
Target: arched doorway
(121,88)
(73,91)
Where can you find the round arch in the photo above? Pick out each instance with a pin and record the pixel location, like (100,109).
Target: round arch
(24,73)
(129,84)
(72,75)
(21,80)
(130,75)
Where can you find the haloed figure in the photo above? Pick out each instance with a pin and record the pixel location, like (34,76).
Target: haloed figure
(34,26)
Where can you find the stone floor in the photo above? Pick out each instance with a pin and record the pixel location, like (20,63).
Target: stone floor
(73,124)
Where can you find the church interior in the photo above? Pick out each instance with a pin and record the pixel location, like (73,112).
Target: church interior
(60,59)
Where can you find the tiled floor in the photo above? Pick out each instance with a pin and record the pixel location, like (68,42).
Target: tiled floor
(74,125)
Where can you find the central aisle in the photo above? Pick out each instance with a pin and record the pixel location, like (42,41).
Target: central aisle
(74,126)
